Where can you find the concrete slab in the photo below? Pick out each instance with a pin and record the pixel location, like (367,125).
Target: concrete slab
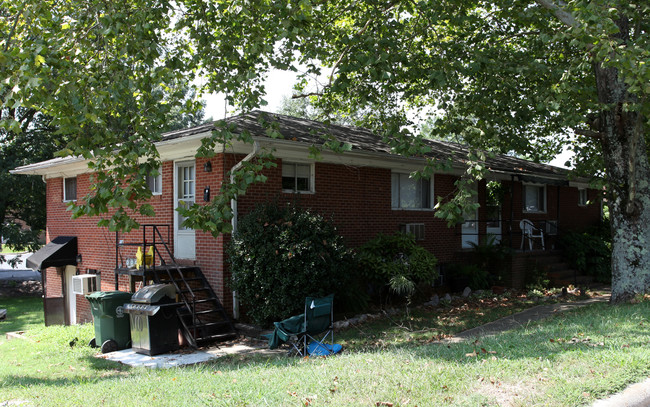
(187,357)
(636,395)
(129,357)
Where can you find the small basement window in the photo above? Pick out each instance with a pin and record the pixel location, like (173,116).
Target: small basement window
(69,189)
(297,177)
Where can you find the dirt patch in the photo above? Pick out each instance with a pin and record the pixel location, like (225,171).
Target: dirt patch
(21,289)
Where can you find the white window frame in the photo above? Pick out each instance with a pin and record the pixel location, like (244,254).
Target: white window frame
(312,178)
(399,208)
(542,187)
(76,184)
(583,197)
(156,188)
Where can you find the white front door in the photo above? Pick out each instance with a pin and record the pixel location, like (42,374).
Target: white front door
(70,297)
(185,187)
(470,227)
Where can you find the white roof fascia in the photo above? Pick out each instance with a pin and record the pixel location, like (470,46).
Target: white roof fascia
(55,168)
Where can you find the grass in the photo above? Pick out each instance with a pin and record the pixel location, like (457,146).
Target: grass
(569,360)
(8,250)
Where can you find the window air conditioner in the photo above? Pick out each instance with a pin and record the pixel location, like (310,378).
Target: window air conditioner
(85,283)
(551,227)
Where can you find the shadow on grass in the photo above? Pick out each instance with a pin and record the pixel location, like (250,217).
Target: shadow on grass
(592,329)
(588,331)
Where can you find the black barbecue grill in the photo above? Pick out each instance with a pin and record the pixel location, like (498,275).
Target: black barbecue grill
(154,323)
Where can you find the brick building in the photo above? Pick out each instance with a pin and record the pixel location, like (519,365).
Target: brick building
(366,190)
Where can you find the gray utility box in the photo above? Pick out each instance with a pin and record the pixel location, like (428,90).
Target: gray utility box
(154,322)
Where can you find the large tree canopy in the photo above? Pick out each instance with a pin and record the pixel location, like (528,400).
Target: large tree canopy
(506,76)
(22,202)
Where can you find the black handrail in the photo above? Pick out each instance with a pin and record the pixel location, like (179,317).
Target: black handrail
(155,232)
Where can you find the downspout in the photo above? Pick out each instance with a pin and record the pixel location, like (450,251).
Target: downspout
(233,222)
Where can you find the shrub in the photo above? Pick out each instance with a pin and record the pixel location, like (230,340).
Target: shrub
(493,257)
(397,263)
(590,252)
(280,255)
(459,276)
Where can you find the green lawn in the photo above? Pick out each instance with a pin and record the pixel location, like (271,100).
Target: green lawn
(569,360)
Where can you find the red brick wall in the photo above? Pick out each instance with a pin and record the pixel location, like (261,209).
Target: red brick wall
(357,198)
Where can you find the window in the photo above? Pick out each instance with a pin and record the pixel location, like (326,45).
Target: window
(582,197)
(297,177)
(416,229)
(409,193)
(70,189)
(534,198)
(155,183)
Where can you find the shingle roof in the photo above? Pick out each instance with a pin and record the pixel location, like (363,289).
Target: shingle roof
(310,132)
(361,139)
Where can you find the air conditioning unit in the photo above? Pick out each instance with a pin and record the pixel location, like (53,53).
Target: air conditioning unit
(85,283)
(551,228)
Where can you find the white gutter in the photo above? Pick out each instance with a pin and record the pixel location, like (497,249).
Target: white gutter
(233,207)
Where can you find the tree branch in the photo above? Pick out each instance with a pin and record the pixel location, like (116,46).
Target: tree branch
(13,28)
(306,95)
(559,12)
(345,51)
(588,133)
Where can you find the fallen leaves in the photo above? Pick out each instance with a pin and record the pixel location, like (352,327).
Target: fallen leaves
(577,341)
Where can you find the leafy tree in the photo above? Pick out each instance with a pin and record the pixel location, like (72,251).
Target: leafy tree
(110,74)
(520,76)
(22,202)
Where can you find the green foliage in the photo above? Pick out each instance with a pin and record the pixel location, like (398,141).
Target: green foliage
(590,252)
(281,254)
(23,197)
(459,276)
(397,262)
(505,77)
(493,257)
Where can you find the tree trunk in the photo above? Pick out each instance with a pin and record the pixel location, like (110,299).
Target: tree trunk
(628,172)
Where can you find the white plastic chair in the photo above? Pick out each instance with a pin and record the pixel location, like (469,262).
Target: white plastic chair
(530,232)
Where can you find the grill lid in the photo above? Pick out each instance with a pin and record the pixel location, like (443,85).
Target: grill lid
(155,293)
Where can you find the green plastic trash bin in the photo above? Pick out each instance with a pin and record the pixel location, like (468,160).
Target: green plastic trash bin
(112,328)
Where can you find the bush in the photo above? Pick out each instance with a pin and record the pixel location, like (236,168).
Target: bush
(280,255)
(459,276)
(397,263)
(493,257)
(590,252)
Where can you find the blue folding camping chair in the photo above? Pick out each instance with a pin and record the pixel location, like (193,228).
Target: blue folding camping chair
(311,333)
